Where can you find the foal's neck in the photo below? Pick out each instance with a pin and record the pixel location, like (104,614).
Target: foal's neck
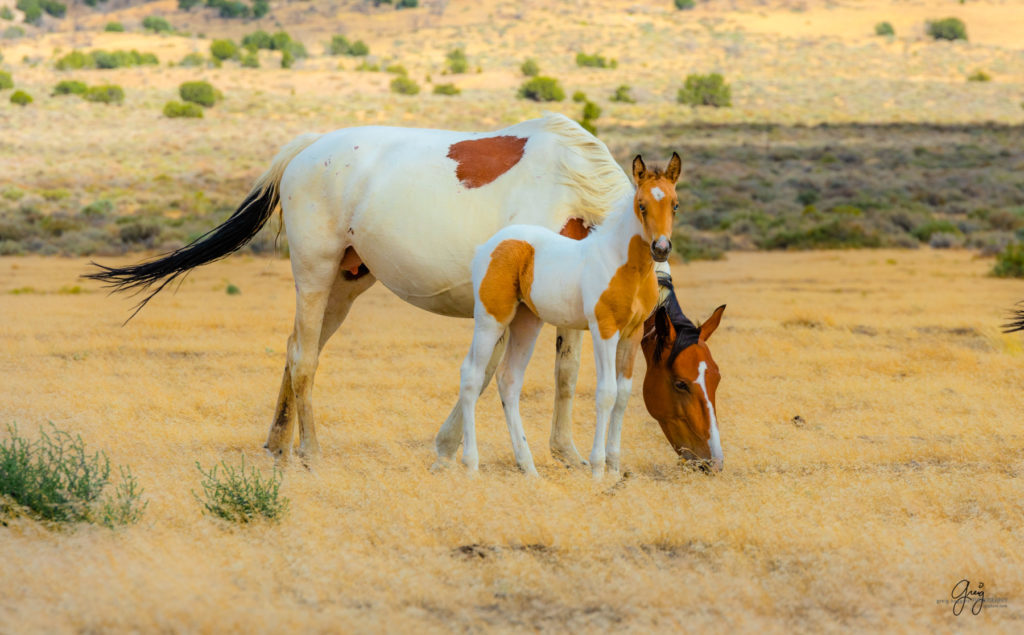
(617,231)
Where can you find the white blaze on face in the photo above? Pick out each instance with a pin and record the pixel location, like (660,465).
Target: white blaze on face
(714,442)
(657,193)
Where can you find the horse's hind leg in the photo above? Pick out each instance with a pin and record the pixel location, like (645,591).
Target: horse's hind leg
(450,435)
(522,334)
(343,294)
(567,368)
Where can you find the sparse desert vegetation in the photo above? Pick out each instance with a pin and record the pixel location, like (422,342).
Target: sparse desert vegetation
(870,405)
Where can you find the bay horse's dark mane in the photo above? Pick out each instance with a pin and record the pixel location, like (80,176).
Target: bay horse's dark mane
(687,333)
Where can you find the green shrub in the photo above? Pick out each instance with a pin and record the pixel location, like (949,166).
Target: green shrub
(156,24)
(457,62)
(280,41)
(287,59)
(232,289)
(407,4)
(366,66)
(594,61)
(705,90)
(193,60)
(530,68)
(230,8)
(6,13)
(21,98)
(884,28)
(621,94)
(13,32)
(250,60)
(6,81)
(33,12)
(174,109)
(202,93)
(446,89)
(75,60)
(257,40)
(241,496)
(834,233)
(685,5)
(114,27)
(33,9)
(579,97)
(404,85)
(136,231)
(55,479)
(185,5)
(979,76)
(542,89)
(924,231)
(947,29)
(1010,262)
(341,46)
(223,49)
(260,8)
(98,208)
(591,110)
(105,93)
(396,69)
(588,125)
(69,87)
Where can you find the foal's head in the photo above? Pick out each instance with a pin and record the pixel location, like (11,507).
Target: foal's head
(656,202)
(681,380)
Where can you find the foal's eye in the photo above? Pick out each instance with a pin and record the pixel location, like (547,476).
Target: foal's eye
(675,208)
(682,386)
(643,210)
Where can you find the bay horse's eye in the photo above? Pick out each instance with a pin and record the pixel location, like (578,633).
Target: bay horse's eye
(682,386)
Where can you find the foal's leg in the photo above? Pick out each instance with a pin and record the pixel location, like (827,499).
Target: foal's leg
(604,360)
(567,369)
(486,333)
(625,355)
(522,334)
(343,294)
(450,435)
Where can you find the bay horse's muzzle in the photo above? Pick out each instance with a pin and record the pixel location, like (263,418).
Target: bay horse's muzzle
(661,248)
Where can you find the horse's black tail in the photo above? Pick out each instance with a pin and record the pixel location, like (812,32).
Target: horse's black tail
(224,239)
(1016,322)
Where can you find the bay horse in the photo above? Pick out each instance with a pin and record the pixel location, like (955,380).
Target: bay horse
(406,207)
(524,276)
(682,379)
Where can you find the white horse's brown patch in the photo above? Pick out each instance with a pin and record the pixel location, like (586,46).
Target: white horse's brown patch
(575,228)
(481,161)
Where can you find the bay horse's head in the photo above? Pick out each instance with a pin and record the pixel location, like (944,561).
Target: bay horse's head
(681,380)
(656,202)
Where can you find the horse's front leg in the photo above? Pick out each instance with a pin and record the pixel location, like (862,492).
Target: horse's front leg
(625,355)
(604,361)
(567,368)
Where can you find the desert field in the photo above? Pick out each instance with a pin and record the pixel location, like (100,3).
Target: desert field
(901,476)
(870,406)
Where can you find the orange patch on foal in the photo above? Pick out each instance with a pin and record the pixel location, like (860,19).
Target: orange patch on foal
(508,279)
(480,161)
(631,295)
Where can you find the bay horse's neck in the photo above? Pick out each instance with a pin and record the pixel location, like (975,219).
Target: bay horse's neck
(614,235)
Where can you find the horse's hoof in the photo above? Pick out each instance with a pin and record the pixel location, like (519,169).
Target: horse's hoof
(570,458)
(441,464)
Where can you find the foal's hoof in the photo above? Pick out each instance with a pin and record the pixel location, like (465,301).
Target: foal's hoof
(441,464)
(569,457)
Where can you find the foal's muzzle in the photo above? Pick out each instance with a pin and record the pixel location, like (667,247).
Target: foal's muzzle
(661,248)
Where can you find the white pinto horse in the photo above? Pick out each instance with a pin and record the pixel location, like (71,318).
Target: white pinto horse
(525,276)
(406,207)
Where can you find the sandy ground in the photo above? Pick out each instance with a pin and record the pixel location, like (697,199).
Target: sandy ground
(901,477)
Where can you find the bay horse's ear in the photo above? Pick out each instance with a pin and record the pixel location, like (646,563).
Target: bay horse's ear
(639,169)
(662,325)
(675,166)
(708,327)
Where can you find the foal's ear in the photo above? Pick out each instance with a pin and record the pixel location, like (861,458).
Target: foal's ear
(639,169)
(708,327)
(675,166)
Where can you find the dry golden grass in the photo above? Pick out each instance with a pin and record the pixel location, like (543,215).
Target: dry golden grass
(904,475)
